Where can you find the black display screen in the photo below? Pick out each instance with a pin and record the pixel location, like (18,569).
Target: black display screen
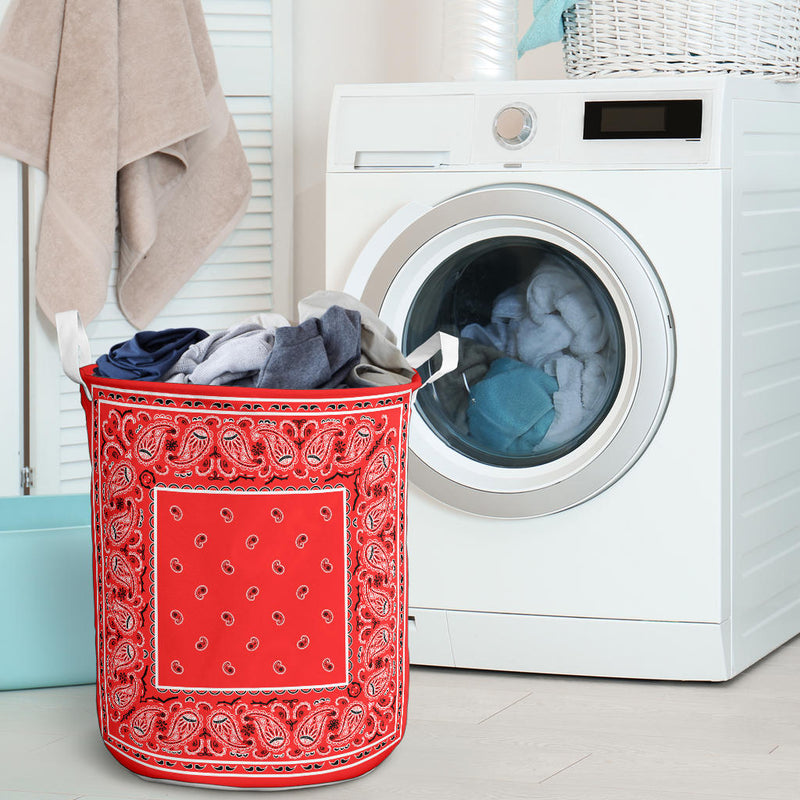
(643,119)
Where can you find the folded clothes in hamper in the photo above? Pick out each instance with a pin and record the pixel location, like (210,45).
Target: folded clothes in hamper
(251,576)
(339,342)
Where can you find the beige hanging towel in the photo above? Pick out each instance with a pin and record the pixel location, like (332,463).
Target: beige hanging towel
(119,102)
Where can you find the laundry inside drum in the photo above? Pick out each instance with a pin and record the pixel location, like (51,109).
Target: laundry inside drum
(541,351)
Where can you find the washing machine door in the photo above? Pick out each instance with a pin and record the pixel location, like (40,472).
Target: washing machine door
(566,345)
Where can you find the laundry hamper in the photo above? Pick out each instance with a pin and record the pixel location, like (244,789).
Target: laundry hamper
(616,37)
(250,578)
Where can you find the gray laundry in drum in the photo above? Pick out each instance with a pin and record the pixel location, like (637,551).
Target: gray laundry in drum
(453,390)
(553,322)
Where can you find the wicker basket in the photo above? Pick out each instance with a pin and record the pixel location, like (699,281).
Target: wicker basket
(618,37)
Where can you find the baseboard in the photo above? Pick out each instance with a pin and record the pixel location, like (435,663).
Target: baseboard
(611,648)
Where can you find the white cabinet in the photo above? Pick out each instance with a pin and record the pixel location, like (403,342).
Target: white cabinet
(250,272)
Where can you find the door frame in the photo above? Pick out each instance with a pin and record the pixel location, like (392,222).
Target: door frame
(389,276)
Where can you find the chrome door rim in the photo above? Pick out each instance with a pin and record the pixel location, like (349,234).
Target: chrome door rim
(548,215)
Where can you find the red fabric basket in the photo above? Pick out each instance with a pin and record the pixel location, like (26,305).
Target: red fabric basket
(250,579)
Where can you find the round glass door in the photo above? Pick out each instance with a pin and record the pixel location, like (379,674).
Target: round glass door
(542,351)
(566,347)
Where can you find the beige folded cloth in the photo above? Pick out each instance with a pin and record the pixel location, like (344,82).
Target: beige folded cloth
(119,101)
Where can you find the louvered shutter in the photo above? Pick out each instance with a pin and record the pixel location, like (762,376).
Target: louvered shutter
(250,272)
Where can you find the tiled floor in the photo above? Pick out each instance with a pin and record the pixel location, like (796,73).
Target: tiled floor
(486,735)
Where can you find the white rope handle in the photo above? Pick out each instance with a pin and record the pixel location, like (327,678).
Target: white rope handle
(442,343)
(73,346)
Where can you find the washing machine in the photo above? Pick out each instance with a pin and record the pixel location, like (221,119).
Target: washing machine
(610,484)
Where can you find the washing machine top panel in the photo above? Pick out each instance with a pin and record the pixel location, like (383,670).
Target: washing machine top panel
(663,121)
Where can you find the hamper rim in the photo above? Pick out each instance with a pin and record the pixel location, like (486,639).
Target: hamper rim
(163,388)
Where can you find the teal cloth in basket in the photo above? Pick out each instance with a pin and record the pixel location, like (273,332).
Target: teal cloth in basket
(46,592)
(547,25)
(511,409)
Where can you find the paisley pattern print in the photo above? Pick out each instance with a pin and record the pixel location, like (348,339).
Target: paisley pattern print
(251,597)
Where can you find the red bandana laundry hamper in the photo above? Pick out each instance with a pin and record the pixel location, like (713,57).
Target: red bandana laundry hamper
(250,579)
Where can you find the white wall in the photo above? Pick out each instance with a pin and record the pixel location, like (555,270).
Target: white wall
(361,41)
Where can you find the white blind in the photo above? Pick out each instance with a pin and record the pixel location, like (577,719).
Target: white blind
(242,34)
(239,23)
(247,274)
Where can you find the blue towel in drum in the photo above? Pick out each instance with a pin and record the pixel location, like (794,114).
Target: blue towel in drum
(511,409)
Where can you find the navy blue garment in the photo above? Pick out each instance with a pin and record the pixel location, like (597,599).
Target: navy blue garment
(148,355)
(316,354)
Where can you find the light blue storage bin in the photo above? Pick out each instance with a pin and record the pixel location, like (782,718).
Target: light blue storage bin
(46,588)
